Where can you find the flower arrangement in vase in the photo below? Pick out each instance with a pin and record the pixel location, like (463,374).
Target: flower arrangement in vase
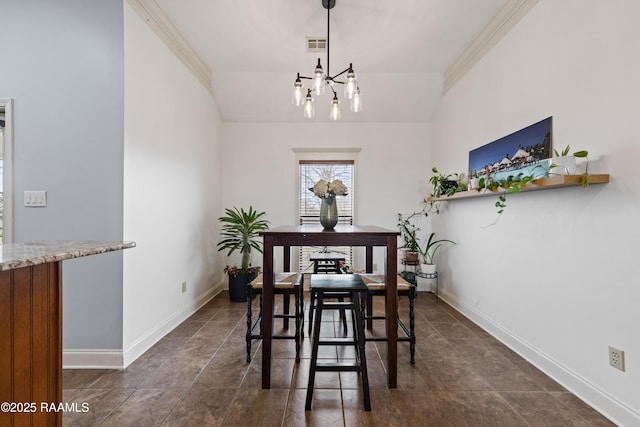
(327,192)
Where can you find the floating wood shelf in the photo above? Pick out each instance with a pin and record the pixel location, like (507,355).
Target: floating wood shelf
(537,184)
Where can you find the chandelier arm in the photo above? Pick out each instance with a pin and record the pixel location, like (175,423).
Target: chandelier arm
(303,77)
(341,73)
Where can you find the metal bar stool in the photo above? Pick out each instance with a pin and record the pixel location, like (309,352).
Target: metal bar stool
(354,285)
(285,284)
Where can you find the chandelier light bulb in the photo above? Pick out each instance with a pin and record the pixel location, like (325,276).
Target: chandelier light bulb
(351,84)
(308,110)
(334,114)
(298,97)
(356,102)
(318,79)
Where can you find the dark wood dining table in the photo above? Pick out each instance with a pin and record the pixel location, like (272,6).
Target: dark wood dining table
(343,235)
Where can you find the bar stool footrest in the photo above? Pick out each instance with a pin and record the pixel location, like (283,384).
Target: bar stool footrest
(338,341)
(339,305)
(338,367)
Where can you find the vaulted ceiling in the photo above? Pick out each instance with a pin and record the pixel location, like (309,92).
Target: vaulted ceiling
(400,50)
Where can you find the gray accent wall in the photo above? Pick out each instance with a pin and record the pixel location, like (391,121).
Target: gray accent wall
(62,63)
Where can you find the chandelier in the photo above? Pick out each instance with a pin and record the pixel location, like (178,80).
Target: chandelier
(322,80)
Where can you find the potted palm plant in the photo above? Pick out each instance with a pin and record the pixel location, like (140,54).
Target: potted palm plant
(428,253)
(239,232)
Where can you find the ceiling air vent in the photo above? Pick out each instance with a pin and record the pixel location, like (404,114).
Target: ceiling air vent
(316,44)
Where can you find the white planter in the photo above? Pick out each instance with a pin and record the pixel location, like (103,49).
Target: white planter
(474,183)
(428,268)
(566,165)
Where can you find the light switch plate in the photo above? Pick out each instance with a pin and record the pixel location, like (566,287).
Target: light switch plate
(35,198)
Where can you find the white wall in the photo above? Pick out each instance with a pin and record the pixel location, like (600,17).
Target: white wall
(555,277)
(62,64)
(172,189)
(260,168)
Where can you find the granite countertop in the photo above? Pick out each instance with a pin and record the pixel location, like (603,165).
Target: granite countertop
(17,255)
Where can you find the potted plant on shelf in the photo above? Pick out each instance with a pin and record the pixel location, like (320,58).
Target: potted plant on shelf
(411,247)
(564,163)
(444,185)
(474,181)
(447,185)
(428,253)
(239,232)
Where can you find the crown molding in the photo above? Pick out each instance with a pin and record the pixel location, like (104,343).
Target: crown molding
(500,25)
(160,23)
(327,150)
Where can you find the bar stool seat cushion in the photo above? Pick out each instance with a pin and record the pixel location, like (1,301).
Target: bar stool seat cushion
(281,281)
(376,282)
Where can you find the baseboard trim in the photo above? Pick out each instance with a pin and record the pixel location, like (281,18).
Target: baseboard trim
(143,344)
(594,396)
(91,359)
(119,359)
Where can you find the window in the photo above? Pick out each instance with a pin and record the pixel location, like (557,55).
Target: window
(310,172)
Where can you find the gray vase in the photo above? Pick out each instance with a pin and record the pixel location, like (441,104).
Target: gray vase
(329,213)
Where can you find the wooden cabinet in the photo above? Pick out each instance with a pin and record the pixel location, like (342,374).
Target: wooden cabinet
(31,327)
(31,348)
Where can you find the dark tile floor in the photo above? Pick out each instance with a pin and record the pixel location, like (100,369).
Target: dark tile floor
(197,376)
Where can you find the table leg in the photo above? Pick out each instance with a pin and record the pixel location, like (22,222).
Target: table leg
(267,310)
(286,258)
(391,301)
(369,269)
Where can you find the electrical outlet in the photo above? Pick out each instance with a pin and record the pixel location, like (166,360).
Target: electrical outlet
(375,267)
(184,287)
(616,358)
